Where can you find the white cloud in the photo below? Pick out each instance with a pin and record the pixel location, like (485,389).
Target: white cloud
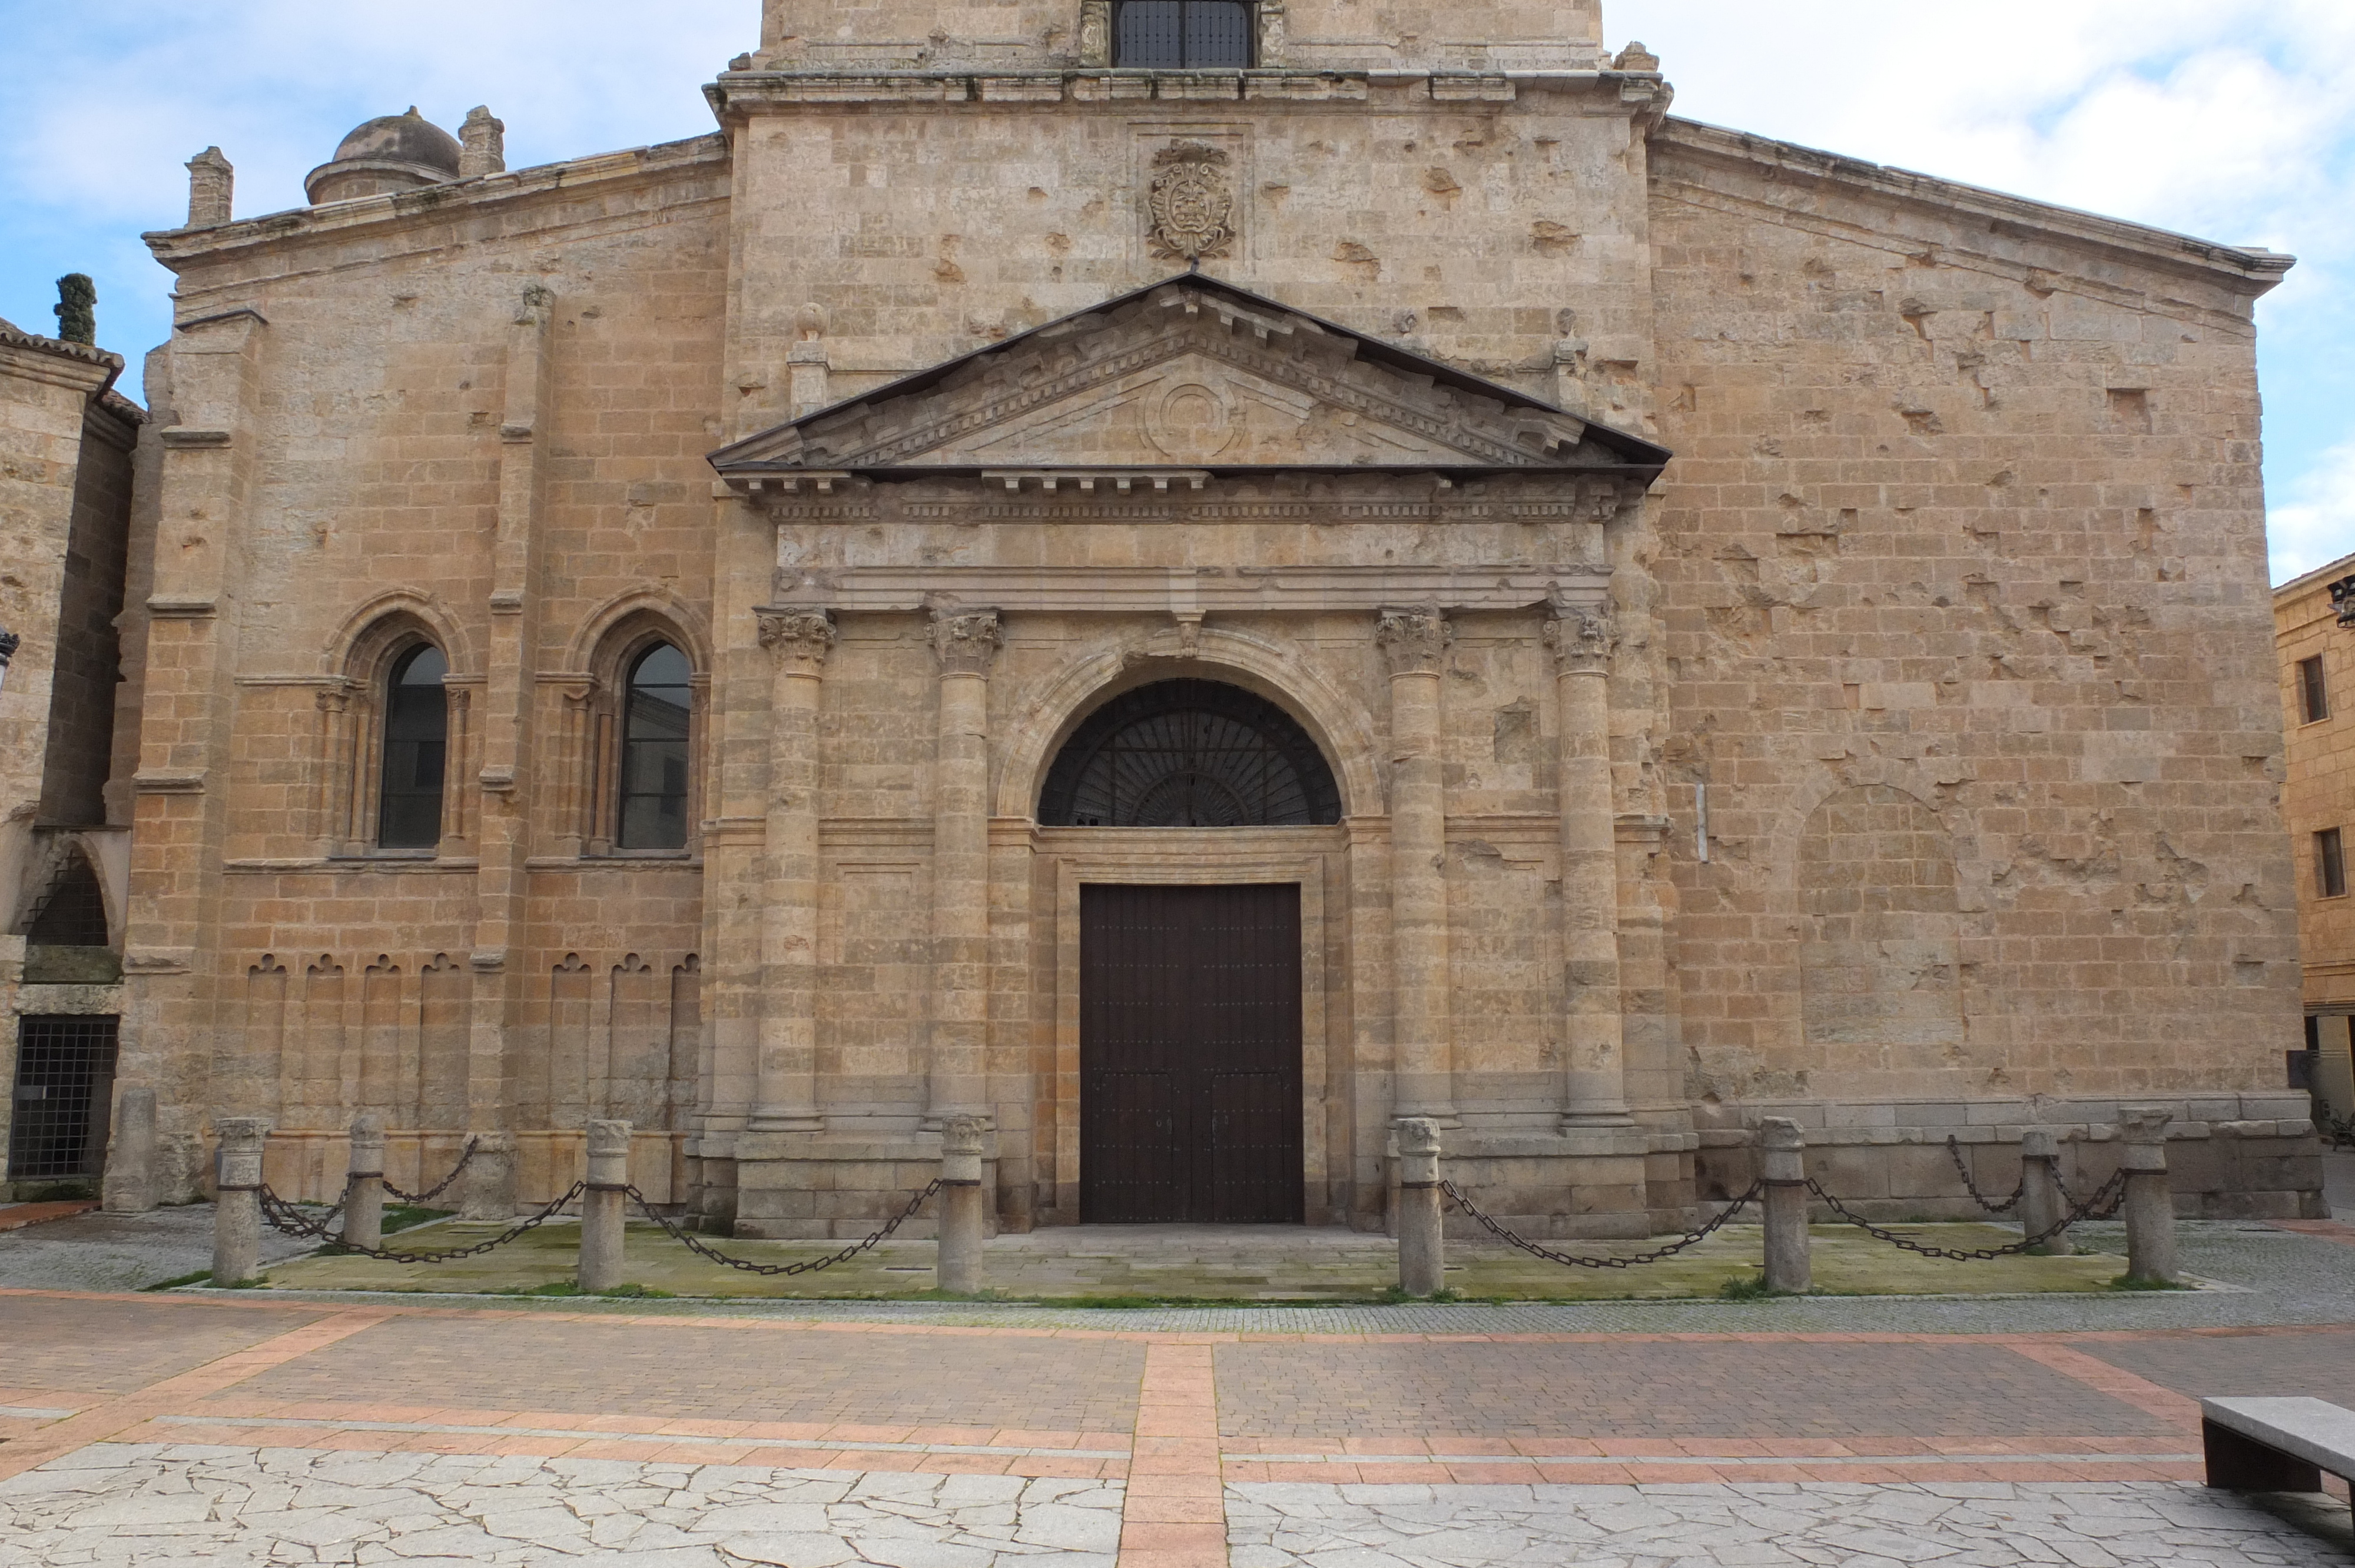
(2318,524)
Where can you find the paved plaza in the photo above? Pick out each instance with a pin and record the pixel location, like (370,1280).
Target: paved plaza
(238,1430)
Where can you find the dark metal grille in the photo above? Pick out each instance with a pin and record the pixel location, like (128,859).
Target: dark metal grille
(1184,34)
(1190,753)
(64,1084)
(72,913)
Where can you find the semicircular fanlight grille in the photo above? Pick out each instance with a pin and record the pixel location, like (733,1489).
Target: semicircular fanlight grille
(1190,753)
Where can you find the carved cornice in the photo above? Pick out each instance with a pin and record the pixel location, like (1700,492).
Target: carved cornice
(1414,641)
(967,641)
(800,639)
(1582,638)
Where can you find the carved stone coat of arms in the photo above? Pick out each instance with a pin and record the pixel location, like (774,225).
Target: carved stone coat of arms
(1193,203)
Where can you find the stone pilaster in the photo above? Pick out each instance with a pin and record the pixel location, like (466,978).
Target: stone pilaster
(966,644)
(1414,642)
(785,1094)
(502,886)
(1583,640)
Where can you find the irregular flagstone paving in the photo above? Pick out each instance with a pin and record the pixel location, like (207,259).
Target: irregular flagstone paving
(207,1507)
(1981,1525)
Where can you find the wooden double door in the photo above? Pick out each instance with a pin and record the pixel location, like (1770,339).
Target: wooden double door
(1189,1055)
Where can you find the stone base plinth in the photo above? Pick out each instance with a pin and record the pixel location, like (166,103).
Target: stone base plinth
(1582,1183)
(799,1186)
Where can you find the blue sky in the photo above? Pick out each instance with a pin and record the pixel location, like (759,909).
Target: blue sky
(2233,119)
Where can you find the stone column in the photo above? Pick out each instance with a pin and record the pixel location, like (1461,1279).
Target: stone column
(966,643)
(1596,1092)
(129,1187)
(2041,1205)
(237,1205)
(963,1139)
(2150,1198)
(1783,1165)
(605,1205)
(785,1094)
(1414,641)
(364,1186)
(1422,1237)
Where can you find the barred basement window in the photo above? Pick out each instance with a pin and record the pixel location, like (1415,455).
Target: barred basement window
(1190,753)
(416,742)
(654,751)
(2330,863)
(1183,35)
(65,1087)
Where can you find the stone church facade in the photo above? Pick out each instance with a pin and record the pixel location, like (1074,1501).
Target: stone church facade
(1193,580)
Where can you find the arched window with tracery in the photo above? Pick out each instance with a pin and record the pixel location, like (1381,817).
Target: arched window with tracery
(416,752)
(656,710)
(1190,754)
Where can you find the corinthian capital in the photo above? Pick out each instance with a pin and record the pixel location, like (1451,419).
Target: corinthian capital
(800,639)
(1582,639)
(1414,641)
(966,640)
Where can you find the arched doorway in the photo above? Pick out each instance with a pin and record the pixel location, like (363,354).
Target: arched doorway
(1191,995)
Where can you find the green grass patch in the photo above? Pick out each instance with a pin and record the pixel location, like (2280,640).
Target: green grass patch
(198,1277)
(1748,1287)
(2127,1282)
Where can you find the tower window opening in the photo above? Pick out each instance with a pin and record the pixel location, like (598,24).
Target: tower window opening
(1183,35)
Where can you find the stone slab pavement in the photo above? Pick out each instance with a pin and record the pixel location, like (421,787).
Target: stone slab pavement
(234,1430)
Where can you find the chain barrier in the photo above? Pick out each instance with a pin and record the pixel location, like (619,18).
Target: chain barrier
(275,1209)
(283,1216)
(2102,1206)
(1962,1168)
(418,1200)
(1572,1260)
(2338,1131)
(773,1270)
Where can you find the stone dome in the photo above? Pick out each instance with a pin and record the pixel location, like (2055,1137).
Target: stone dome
(391,153)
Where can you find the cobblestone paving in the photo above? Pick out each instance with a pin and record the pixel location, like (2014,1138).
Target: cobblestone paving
(710,1371)
(121,1252)
(2311,1365)
(205,1507)
(111,1345)
(1619,1388)
(1764,1526)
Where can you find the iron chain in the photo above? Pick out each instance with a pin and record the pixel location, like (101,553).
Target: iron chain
(419,1200)
(1962,1168)
(287,1218)
(274,1208)
(773,1270)
(1574,1260)
(2101,1206)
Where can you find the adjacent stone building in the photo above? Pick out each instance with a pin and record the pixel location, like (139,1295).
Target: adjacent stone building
(1192,579)
(2318,668)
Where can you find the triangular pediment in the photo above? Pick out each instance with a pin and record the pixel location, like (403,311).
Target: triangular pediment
(1189,374)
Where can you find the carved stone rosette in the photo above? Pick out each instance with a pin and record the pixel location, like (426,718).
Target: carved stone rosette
(800,639)
(1582,639)
(1193,203)
(967,641)
(1414,641)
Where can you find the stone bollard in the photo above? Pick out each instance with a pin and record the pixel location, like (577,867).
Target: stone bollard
(1783,1165)
(959,1269)
(2150,1201)
(487,1190)
(1421,1243)
(130,1186)
(363,1187)
(2041,1205)
(604,1205)
(237,1207)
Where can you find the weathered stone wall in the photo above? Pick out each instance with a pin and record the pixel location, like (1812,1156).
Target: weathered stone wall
(90,660)
(1964,544)
(2318,793)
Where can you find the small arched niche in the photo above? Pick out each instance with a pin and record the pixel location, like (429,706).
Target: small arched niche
(1190,754)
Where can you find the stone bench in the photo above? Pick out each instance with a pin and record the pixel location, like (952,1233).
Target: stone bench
(2275,1444)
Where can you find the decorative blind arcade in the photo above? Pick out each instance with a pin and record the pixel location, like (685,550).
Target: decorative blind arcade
(1183,35)
(1190,753)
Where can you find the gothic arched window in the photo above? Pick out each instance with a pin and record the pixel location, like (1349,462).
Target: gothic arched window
(416,743)
(1190,754)
(1183,35)
(653,763)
